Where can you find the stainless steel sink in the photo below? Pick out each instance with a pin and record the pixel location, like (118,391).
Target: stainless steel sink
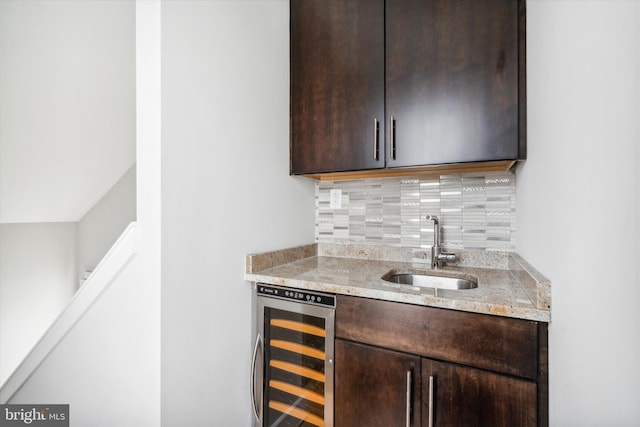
(426,280)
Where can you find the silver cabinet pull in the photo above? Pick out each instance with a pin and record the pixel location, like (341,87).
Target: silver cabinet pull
(256,410)
(376,139)
(392,137)
(431,380)
(408,408)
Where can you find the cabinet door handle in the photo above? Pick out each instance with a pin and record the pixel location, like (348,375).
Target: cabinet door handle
(392,137)
(256,410)
(408,407)
(431,381)
(376,139)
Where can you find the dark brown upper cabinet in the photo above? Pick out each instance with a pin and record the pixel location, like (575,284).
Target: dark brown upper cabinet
(337,90)
(386,85)
(452,81)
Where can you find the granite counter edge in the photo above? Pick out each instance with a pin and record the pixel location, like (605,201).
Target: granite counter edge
(534,284)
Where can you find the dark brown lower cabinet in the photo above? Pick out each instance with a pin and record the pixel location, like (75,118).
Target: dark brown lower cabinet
(454,395)
(380,387)
(375,387)
(406,365)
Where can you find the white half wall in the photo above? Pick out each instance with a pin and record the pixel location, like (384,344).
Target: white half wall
(226,193)
(104,367)
(37,280)
(101,226)
(578,202)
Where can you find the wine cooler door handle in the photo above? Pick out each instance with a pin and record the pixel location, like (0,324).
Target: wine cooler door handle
(431,381)
(256,409)
(408,408)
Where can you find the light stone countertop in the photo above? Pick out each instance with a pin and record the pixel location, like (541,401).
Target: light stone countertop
(507,285)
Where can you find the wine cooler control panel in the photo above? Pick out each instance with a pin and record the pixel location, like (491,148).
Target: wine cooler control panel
(299,295)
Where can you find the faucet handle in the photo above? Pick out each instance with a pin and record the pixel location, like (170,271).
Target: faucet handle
(447,257)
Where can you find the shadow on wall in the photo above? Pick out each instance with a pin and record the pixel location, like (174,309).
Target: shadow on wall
(104,222)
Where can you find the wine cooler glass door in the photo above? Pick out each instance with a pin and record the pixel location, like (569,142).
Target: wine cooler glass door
(297,386)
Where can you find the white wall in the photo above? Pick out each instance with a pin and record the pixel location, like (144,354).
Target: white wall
(225,193)
(67,105)
(68,125)
(40,264)
(37,277)
(578,202)
(101,226)
(108,366)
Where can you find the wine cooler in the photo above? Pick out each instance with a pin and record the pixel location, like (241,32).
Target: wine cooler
(292,366)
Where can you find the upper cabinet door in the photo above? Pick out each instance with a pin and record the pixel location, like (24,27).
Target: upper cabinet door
(452,81)
(337,85)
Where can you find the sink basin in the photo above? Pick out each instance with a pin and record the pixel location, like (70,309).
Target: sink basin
(425,280)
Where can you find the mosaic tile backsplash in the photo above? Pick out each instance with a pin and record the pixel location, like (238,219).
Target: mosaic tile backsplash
(476,211)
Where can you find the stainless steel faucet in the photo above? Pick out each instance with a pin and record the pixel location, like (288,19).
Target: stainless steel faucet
(438,258)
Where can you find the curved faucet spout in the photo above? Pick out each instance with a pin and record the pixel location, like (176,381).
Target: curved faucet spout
(438,258)
(435,249)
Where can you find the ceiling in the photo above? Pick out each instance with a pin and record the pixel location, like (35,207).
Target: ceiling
(67,106)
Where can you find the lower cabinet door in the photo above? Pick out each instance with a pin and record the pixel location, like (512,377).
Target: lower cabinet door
(454,395)
(375,387)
